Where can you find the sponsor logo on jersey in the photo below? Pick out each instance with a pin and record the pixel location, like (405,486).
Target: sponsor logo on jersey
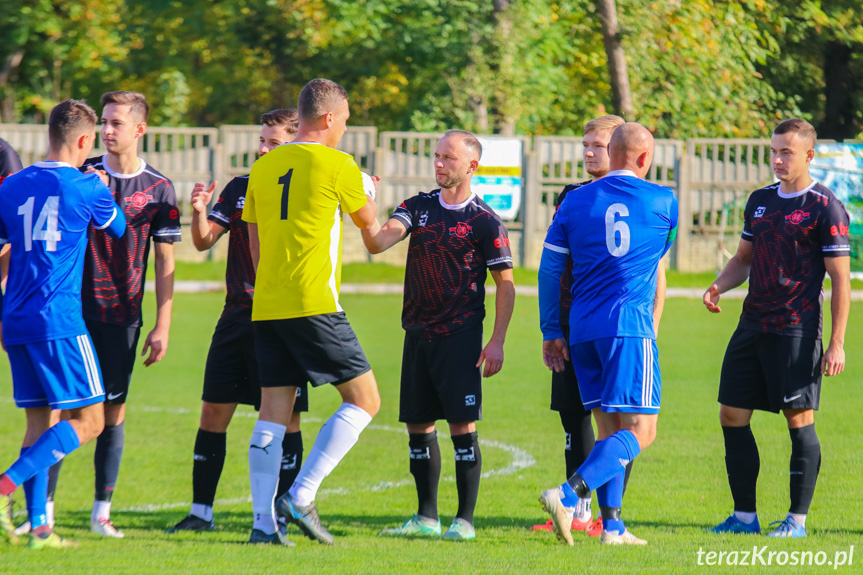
(840,230)
(568,442)
(139,199)
(797,217)
(760,211)
(423,219)
(461,230)
(470,399)
(241,202)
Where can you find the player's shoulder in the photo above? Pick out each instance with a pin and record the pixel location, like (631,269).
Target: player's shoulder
(151,173)
(766,191)
(237,185)
(569,188)
(824,194)
(478,205)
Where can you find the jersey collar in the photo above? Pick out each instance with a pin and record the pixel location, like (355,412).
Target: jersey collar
(460,206)
(137,173)
(805,190)
(626,173)
(47,164)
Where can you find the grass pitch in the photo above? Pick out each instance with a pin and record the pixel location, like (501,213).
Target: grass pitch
(678,486)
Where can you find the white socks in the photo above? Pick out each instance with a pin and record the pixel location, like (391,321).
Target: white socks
(101,510)
(335,439)
(265,459)
(205,512)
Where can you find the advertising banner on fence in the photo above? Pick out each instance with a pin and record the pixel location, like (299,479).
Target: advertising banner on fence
(840,168)
(498,180)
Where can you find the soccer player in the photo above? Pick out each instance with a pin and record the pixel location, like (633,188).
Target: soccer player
(793,232)
(455,237)
(114,272)
(9,164)
(231,376)
(617,228)
(45,211)
(565,398)
(297,194)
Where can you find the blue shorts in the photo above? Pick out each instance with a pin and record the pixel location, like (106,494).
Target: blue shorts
(61,373)
(618,374)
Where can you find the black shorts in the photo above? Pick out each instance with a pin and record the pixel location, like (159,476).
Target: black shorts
(318,349)
(564,386)
(116,347)
(440,379)
(231,375)
(771,372)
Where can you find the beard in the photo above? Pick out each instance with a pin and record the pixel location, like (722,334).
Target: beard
(448,182)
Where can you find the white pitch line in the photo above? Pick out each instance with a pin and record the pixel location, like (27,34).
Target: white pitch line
(521,459)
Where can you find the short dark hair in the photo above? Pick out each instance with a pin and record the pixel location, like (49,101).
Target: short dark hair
(470,141)
(319,97)
(136,101)
(68,120)
(804,130)
(284,117)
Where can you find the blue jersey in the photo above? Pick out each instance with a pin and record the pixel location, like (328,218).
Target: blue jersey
(616,230)
(45,211)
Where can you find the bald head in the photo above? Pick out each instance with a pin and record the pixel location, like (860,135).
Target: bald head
(631,148)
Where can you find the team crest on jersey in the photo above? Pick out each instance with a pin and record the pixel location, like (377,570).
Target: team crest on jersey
(241,202)
(461,230)
(423,219)
(139,199)
(797,217)
(760,211)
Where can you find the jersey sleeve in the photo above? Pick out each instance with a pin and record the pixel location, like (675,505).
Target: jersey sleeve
(249,207)
(104,212)
(834,234)
(226,206)
(349,187)
(405,214)
(10,162)
(556,239)
(673,216)
(166,224)
(748,212)
(495,245)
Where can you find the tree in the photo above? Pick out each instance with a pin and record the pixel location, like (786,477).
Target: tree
(620,93)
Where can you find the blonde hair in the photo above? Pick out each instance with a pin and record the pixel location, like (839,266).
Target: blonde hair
(603,123)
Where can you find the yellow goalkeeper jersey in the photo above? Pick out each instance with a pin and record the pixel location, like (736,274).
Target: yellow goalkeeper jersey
(296,196)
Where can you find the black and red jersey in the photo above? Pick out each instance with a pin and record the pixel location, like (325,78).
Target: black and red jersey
(114,269)
(451,247)
(9,160)
(240,270)
(791,234)
(566,276)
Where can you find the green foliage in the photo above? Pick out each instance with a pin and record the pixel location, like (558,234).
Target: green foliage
(697,67)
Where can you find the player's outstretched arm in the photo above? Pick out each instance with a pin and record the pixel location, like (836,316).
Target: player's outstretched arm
(504,301)
(833,361)
(380,238)
(736,272)
(157,339)
(205,233)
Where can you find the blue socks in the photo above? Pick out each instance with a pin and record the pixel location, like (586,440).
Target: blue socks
(51,447)
(609,458)
(36,493)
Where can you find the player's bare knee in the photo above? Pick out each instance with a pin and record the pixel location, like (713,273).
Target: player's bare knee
(799,417)
(215,417)
(734,417)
